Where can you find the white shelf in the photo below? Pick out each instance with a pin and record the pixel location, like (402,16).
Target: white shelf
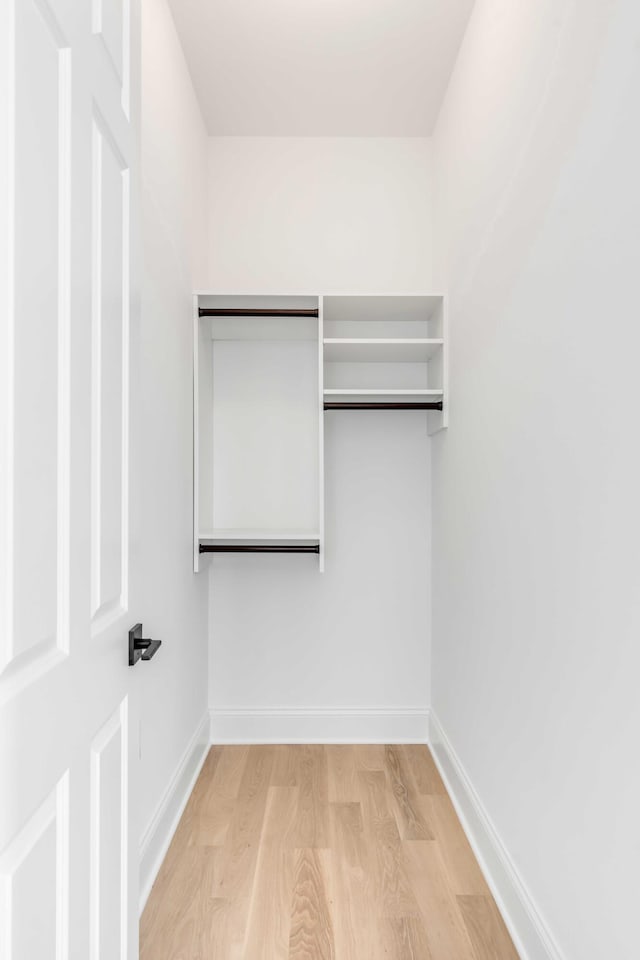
(384,392)
(362,393)
(241,535)
(380,350)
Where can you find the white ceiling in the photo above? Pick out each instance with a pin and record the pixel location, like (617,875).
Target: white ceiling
(320,67)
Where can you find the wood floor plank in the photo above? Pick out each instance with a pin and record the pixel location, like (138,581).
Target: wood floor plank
(411,820)
(311,936)
(183,891)
(346,882)
(215,795)
(236,866)
(388,880)
(352,906)
(265,866)
(311,825)
(423,768)
(376,802)
(269,918)
(443,923)
(229,770)
(210,914)
(465,876)
(488,934)
(211,823)
(369,756)
(285,764)
(405,939)
(240,849)
(342,770)
(347,833)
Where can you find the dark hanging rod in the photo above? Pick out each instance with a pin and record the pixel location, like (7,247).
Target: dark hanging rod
(255,312)
(382,405)
(260,548)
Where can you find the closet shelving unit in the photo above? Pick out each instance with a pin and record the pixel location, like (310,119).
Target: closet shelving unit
(267,370)
(384,352)
(257,429)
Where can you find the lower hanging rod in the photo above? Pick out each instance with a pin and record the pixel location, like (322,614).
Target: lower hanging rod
(256,312)
(259,548)
(382,405)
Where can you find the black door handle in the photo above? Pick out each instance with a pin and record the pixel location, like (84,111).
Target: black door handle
(139,648)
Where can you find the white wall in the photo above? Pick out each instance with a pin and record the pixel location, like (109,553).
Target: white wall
(285,636)
(536,506)
(173,687)
(342,655)
(319,214)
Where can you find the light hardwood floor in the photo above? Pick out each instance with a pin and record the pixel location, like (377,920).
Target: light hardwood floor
(321,853)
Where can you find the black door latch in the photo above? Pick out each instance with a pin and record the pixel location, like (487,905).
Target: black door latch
(139,648)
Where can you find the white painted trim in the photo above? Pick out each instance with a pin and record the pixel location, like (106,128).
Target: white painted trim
(155,840)
(319,724)
(529,932)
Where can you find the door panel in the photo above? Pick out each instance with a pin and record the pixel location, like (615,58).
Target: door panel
(34,883)
(109,840)
(110,413)
(38,498)
(68,354)
(110,23)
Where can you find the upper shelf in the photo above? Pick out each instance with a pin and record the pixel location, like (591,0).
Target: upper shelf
(367,394)
(259,541)
(254,301)
(380,350)
(381,308)
(262,535)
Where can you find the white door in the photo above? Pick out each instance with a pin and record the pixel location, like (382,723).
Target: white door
(68,328)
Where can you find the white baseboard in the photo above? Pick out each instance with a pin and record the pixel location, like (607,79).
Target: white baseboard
(319,725)
(159,833)
(529,932)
